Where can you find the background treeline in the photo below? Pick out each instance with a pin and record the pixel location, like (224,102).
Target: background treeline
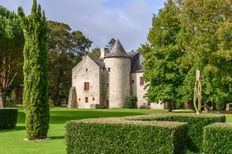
(65,49)
(187,35)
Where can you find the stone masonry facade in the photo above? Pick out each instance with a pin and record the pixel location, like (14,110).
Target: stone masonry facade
(107,81)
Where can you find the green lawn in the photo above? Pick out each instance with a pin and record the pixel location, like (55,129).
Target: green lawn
(12,141)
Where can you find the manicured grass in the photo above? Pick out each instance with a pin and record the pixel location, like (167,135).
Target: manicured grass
(12,141)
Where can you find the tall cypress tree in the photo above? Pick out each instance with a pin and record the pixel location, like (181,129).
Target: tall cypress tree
(35,93)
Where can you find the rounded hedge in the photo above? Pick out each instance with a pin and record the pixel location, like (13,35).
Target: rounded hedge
(130,102)
(8,118)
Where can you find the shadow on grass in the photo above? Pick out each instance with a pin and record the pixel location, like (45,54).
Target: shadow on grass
(56,137)
(60,117)
(18,128)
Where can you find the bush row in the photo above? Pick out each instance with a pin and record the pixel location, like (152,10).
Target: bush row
(139,134)
(218,138)
(8,118)
(114,135)
(195,126)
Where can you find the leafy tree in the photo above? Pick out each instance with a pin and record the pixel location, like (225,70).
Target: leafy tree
(206,42)
(110,43)
(65,51)
(11,47)
(95,53)
(162,56)
(35,94)
(80,43)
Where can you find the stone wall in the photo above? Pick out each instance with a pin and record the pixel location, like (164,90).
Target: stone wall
(138,90)
(87,71)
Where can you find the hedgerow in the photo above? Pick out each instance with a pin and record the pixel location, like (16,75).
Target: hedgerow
(217,138)
(114,135)
(195,125)
(8,118)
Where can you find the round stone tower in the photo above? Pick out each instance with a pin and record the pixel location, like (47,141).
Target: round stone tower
(118,65)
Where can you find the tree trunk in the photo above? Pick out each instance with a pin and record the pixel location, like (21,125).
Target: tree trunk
(58,101)
(170,107)
(206,108)
(2,99)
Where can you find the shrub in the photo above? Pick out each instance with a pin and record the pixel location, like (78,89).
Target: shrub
(195,126)
(8,118)
(130,102)
(10,104)
(220,105)
(115,135)
(217,138)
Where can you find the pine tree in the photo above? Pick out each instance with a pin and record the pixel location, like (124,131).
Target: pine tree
(35,93)
(162,56)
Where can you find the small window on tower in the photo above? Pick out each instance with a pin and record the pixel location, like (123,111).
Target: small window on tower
(86,86)
(108,69)
(93,99)
(107,85)
(86,99)
(86,69)
(79,99)
(141,81)
(132,81)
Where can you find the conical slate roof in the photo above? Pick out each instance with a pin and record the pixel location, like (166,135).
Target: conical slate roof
(117,51)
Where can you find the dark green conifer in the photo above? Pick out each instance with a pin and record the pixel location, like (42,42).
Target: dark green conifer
(35,93)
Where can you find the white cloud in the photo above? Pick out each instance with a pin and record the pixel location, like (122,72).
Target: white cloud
(98,21)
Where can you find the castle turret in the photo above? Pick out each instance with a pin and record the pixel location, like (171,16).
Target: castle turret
(118,65)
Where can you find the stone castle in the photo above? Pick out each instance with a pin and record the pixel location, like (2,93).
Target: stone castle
(107,81)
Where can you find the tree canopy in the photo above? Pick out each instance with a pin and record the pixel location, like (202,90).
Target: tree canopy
(11,46)
(187,36)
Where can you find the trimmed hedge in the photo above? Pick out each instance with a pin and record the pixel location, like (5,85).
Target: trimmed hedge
(130,102)
(8,118)
(115,135)
(218,138)
(195,126)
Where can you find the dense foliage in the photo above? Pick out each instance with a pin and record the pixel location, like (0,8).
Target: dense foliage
(8,118)
(217,138)
(65,49)
(162,56)
(35,92)
(130,102)
(187,36)
(195,126)
(113,136)
(11,47)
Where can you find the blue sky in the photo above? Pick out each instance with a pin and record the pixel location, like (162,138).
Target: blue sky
(100,20)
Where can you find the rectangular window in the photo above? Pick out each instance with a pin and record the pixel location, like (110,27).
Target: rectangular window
(132,81)
(86,69)
(86,86)
(86,99)
(141,81)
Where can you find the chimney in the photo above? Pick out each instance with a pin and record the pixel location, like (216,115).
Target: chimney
(103,53)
